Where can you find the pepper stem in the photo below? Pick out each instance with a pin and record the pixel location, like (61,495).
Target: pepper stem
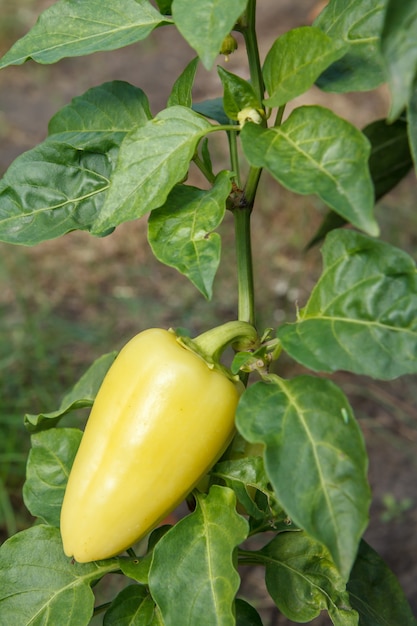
(213,342)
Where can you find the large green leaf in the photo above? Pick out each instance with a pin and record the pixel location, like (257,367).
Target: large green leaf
(357,24)
(315,458)
(51,190)
(192,577)
(315,151)
(181,231)
(389,162)
(39,585)
(205,24)
(152,159)
(48,467)
(362,313)
(81,396)
(303,581)
(101,117)
(71,28)
(295,61)
(375,592)
(400,52)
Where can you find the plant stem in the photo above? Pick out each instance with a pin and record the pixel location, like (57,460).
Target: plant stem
(246,294)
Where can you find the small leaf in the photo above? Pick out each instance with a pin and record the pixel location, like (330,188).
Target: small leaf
(295,61)
(303,581)
(48,467)
(82,395)
(71,28)
(356,24)
(181,231)
(181,93)
(238,94)
(52,190)
(362,313)
(314,457)
(213,109)
(246,615)
(133,606)
(375,592)
(152,159)
(204,25)
(315,151)
(101,117)
(40,585)
(192,577)
(164,6)
(398,46)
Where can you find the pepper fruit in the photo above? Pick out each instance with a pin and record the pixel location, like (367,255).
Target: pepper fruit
(161,419)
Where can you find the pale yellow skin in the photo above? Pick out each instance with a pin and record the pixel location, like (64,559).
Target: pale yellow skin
(159,422)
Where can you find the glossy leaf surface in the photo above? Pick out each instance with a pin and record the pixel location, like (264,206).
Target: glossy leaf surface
(152,159)
(201,544)
(295,61)
(181,231)
(358,25)
(101,117)
(40,585)
(52,190)
(303,581)
(400,52)
(71,28)
(48,467)
(238,94)
(181,93)
(362,313)
(315,458)
(81,396)
(205,24)
(315,151)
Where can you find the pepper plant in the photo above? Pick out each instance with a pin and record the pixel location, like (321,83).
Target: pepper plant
(290,493)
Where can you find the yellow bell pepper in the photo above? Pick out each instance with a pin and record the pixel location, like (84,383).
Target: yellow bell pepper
(161,419)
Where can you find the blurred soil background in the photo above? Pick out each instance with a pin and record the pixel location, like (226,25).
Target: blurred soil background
(66,302)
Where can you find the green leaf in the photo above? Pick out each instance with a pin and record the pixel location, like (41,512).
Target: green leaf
(81,396)
(315,151)
(246,615)
(295,61)
(192,577)
(52,190)
(48,467)
(152,159)
(399,49)
(181,93)
(243,475)
(358,25)
(303,581)
(164,6)
(315,458)
(101,117)
(238,94)
(375,592)
(205,24)
(133,606)
(71,28)
(40,585)
(181,231)
(362,313)
(389,162)
(138,568)
(212,109)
